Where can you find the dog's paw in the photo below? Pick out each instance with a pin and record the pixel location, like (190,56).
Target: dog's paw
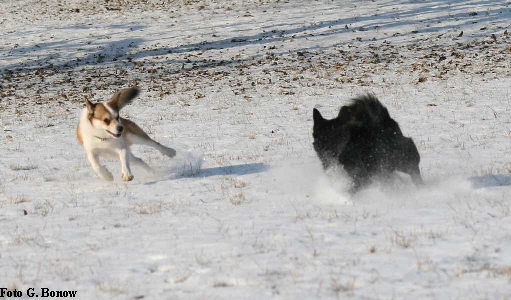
(169,152)
(127,177)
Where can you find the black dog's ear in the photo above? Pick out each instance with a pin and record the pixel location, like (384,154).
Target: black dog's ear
(344,113)
(317,117)
(90,106)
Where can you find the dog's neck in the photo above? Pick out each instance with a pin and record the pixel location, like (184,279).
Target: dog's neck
(100,138)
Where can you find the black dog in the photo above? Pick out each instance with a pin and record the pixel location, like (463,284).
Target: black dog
(366,141)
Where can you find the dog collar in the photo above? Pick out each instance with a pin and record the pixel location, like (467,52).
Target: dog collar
(100,138)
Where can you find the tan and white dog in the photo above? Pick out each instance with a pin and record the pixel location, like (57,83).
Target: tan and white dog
(102,131)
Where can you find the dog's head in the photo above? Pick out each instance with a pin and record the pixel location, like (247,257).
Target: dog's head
(329,137)
(410,159)
(105,116)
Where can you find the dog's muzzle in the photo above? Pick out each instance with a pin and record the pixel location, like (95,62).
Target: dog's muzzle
(116,135)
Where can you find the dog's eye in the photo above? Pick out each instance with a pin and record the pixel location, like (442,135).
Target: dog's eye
(107,121)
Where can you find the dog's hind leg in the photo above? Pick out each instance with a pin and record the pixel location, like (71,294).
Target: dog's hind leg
(135,135)
(163,150)
(99,169)
(147,141)
(356,184)
(139,162)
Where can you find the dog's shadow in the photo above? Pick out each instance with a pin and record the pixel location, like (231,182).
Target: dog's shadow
(194,171)
(487,181)
(237,170)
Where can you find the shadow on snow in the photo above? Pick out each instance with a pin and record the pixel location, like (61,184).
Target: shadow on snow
(117,52)
(237,170)
(487,181)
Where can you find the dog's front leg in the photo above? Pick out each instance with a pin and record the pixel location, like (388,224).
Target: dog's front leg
(124,155)
(99,169)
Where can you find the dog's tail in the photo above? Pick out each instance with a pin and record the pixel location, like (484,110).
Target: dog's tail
(123,97)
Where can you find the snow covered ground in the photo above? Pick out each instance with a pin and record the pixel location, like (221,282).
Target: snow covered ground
(245,211)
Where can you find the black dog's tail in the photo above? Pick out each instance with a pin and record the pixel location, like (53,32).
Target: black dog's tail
(366,110)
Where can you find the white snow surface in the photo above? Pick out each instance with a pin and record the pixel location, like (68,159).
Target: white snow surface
(245,210)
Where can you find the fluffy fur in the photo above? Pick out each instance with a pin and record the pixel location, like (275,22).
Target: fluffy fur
(102,132)
(366,142)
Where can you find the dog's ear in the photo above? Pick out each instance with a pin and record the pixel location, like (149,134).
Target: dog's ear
(317,117)
(90,106)
(344,113)
(123,98)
